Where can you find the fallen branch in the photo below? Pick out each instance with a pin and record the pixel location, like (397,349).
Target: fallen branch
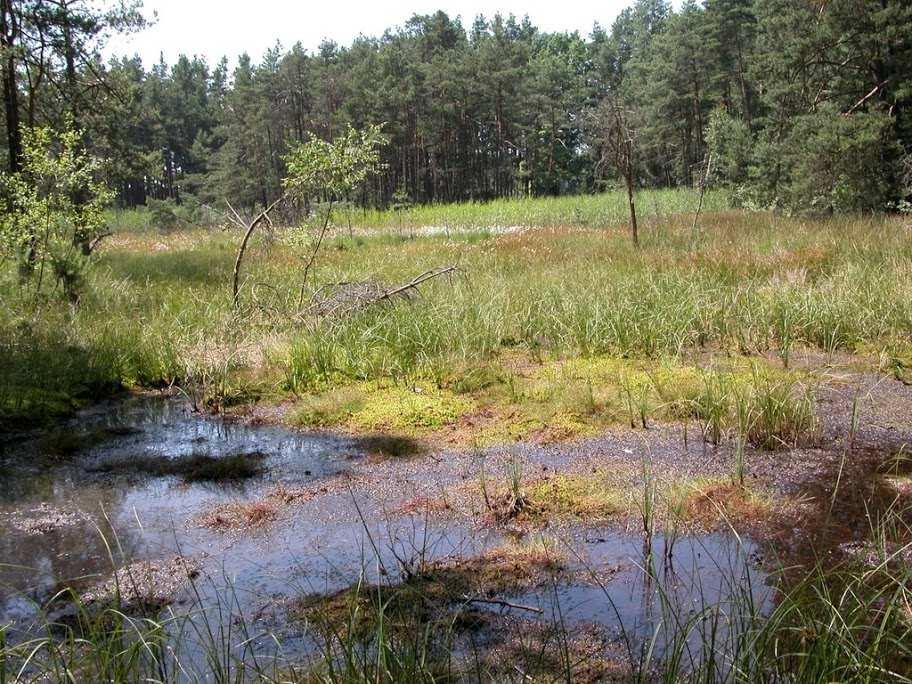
(352,297)
(413,285)
(503,604)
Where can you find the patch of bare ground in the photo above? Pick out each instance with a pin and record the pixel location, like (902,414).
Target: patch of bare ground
(145,585)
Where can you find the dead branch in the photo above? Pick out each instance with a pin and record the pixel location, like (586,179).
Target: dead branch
(234,216)
(704,181)
(313,253)
(351,297)
(867,97)
(413,284)
(263,215)
(94,243)
(504,604)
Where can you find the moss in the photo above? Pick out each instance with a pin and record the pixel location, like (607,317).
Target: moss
(513,400)
(708,503)
(514,426)
(677,388)
(416,409)
(595,496)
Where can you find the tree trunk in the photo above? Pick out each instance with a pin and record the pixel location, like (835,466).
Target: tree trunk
(10,87)
(70,57)
(634,230)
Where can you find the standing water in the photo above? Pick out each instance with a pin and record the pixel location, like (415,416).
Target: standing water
(108,489)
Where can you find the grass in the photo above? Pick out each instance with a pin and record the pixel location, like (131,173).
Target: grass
(584,211)
(158,312)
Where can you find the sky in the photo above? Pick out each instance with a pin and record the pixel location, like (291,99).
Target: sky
(216,28)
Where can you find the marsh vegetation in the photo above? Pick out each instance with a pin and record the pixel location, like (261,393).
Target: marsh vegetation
(459,355)
(566,416)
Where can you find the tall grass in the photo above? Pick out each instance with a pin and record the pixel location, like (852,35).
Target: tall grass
(158,310)
(576,210)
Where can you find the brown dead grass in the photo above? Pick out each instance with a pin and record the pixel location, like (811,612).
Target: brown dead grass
(238,515)
(424,505)
(530,651)
(258,513)
(712,503)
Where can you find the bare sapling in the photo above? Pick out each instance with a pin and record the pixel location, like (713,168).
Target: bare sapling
(317,169)
(614,136)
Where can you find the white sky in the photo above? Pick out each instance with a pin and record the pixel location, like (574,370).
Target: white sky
(213,28)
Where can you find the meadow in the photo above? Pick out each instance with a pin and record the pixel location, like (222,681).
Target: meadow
(552,329)
(158,310)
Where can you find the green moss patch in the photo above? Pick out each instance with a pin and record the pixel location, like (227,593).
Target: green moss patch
(410,409)
(367,407)
(592,496)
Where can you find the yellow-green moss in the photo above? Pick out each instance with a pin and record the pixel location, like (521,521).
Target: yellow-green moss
(553,401)
(518,424)
(589,496)
(421,408)
(371,407)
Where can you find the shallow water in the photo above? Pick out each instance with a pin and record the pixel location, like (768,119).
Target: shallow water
(320,546)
